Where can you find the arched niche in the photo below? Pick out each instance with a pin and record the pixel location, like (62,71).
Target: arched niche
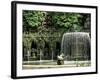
(46,51)
(34,51)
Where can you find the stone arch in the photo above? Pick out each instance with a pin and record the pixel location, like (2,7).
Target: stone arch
(34,47)
(57,49)
(47,50)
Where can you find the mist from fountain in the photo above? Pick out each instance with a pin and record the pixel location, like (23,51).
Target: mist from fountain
(76,46)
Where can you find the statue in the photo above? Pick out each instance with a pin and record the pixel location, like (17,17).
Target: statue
(60,59)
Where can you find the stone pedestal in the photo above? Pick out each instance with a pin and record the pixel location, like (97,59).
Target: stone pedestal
(60,62)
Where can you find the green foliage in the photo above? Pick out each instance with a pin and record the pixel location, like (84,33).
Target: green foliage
(49,22)
(33,19)
(66,20)
(41,26)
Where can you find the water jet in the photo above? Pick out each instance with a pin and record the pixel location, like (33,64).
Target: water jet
(76,46)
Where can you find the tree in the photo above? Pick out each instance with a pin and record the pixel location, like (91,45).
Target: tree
(48,27)
(66,21)
(32,20)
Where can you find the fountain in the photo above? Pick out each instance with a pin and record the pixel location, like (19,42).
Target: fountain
(75,52)
(76,46)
